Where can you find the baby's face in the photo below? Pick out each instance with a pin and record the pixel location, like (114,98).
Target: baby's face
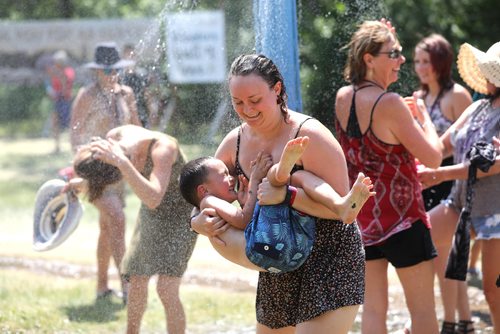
(219,182)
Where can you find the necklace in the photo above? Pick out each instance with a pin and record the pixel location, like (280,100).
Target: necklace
(375,84)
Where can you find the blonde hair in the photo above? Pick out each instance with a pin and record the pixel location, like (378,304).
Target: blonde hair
(369,38)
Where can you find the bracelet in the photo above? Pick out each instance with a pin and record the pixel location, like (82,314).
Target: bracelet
(190,225)
(291,193)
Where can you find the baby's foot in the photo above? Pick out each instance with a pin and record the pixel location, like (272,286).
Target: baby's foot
(291,153)
(356,198)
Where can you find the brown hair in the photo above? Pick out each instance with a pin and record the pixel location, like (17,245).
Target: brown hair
(441,55)
(369,38)
(98,173)
(264,67)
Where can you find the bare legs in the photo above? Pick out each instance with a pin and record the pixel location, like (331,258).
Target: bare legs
(168,291)
(346,208)
(137,302)
(338,321)
(453,293)
(489,264)
(111,240)
(417,282)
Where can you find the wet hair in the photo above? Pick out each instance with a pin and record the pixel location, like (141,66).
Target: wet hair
(369,38)
(264,67)
(194,173)
(441,56)
(98,173)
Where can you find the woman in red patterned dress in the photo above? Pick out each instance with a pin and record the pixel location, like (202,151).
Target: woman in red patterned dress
(381,137)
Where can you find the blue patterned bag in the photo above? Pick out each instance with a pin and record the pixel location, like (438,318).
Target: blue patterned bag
(279,238)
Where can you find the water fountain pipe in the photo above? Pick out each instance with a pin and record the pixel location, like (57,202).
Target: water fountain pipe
(276,36)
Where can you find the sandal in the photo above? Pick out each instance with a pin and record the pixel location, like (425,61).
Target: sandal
(465,326)
(448,327)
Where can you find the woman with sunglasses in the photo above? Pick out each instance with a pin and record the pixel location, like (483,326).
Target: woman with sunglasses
(98,108)
(381,138)
(445,101)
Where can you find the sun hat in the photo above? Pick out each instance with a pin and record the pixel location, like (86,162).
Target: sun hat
(106,55)
(476,67)
(56,215)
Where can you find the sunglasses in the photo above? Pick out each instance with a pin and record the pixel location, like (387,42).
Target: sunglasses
(109,71)
(393,54)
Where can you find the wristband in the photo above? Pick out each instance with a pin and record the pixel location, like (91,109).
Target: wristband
(191,226)
(291,193)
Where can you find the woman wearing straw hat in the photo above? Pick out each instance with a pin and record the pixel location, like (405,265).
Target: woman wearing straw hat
(480,121)
(97,108)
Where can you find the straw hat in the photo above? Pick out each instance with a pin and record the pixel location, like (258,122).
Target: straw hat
(476,67)
(56,215)
(106,55)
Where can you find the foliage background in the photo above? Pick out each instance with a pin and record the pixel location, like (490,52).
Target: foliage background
(324,27)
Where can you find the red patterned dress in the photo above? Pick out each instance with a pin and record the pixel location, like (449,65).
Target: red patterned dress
(398,202)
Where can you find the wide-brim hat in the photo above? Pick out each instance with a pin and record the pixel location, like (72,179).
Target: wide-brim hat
(106,55)
(476,67)
(56,215)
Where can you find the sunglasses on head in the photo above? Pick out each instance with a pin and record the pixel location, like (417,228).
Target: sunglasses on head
(393,54)
(109,71)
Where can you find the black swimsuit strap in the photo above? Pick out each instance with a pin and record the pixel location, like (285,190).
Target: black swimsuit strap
(300,126)
(352,122)
(237,166)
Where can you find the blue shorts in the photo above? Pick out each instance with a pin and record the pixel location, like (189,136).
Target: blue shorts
(406,248)
(63,110)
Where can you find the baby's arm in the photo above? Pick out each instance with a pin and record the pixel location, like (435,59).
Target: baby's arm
(240,217)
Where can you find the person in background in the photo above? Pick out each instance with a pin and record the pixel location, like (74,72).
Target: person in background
(137,79)
(99,107)
(479,122)
(445,101)
(381,138)
(60,90)
(150,162)
(324,294)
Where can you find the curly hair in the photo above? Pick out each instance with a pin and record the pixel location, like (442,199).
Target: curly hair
(98,173)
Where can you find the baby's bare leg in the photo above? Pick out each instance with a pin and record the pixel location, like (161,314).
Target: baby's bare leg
(280,172)
(356,198)
(347,207)
(234,250)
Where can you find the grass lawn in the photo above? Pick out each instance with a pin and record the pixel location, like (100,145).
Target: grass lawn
(218,296)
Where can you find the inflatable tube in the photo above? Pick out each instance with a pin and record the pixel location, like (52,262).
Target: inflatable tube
(56,215)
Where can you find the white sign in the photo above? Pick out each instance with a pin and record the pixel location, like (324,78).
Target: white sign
(196,47)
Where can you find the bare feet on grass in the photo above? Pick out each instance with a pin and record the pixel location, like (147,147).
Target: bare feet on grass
(356,198)
(291,153)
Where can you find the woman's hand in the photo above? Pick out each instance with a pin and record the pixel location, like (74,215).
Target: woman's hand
(108,151)
(208,223)
(242,189)
(428,177)
(389,25)
(269,195)
(76,185)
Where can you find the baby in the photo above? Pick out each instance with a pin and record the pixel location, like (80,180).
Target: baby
(206,183)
